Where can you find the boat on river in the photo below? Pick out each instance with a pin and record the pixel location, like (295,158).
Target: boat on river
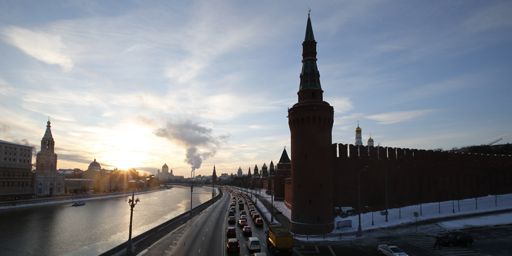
(78,203)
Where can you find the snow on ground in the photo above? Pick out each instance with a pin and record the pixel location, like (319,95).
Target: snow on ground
(489,220)
(265,213)
(428,211)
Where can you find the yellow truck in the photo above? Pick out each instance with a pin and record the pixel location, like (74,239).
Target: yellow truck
(279,240)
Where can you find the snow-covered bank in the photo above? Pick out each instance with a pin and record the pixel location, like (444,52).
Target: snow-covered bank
(463,210)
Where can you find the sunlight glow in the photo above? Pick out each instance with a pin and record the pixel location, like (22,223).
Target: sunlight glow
(128,146)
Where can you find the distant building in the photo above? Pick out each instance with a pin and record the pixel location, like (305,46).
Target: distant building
(47,181)
(370,142)
(282,177)
(359,136)
(239,173)
(164,175)
(16,177)
(94,166)
(264,171)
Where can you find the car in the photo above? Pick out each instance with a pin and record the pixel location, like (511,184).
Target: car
(258,222)
(231,232)
(259,254)
(255,216)
(242,222)
(231,220)
(243,212)
(243,216)
(246,230)
(231,213)
(456,238)
(253,245)
(390,250)
(232,246)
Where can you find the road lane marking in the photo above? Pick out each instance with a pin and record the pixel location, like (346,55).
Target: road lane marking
(330,249)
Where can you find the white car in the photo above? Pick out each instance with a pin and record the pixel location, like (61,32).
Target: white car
(391,250)
(253,245)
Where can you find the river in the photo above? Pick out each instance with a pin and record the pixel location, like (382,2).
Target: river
(90,229)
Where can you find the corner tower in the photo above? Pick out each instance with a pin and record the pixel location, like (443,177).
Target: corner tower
(310,121)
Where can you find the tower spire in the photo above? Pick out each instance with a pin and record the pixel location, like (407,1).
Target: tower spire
(309,76)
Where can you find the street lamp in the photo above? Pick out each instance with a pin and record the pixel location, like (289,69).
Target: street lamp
(191,190)
(359,228)
(272,211)
(131,202)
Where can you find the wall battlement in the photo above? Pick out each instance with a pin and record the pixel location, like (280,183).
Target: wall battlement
(393,177)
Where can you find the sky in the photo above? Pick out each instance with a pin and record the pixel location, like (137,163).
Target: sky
(136,84)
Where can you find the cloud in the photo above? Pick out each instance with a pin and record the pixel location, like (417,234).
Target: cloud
(341,104)
(398,116)
(75,158)
(42,46)
(198,140)
(491,17)
(5,88)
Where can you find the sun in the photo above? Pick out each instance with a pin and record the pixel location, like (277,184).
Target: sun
(128,146)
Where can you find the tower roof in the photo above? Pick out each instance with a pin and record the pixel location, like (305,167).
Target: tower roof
(309,76)
(284,157)
(309,31)
(48,132)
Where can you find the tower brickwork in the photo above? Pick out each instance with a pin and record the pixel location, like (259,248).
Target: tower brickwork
(310,121)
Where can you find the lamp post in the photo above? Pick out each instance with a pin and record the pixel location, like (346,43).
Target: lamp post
(359,228)
(131,202)
(272,211)
(191,190)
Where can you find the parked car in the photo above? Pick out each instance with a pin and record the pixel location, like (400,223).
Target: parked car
(390,250)
(231,232)
(231,213)
(246,230)
(232,246)
(253,245)
(258,222)
(456,238)
(231,220)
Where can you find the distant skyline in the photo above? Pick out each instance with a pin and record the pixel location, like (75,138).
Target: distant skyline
(202,83)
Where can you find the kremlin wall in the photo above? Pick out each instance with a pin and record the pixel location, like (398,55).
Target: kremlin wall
(322,175)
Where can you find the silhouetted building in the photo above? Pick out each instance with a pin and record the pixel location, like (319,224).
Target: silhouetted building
(47,181)
(16,177)
(324,175)
(310,121)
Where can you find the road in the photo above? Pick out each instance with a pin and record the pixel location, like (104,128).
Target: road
(489,241)
(205,234)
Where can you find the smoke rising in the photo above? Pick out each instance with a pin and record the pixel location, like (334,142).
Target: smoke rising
(198,140)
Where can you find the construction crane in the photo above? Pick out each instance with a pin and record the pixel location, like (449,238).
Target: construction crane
(494,142)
